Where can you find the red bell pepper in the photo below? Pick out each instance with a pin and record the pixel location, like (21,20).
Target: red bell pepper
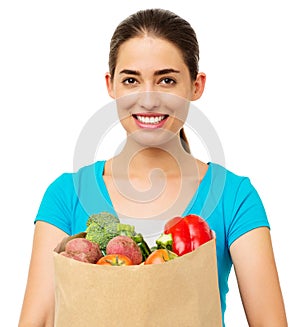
(188,233)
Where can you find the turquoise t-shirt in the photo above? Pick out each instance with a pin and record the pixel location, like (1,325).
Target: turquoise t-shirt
(229,203)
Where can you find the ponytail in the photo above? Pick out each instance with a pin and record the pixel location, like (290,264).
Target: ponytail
(184,141)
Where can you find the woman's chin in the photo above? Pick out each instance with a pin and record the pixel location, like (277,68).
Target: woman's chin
(157,138)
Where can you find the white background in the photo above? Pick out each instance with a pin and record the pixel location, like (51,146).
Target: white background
(52,63)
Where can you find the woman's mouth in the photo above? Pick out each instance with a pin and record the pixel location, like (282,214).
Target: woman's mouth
(150,120)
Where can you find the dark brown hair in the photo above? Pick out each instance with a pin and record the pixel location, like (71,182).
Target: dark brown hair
(165,25)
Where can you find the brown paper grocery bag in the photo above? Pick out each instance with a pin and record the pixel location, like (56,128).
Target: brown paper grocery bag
(183,292)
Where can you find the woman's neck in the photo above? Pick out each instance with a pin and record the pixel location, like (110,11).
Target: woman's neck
(137,161)
(148,182)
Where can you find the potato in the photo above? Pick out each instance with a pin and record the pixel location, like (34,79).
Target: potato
(83,250)
(76,256)
(126,246)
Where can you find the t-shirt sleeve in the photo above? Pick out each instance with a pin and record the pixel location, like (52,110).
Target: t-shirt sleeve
(247,212)
(56,205)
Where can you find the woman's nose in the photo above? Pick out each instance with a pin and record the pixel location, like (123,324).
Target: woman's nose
(149,100)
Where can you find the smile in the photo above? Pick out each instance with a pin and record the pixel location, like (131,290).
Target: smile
(153,120)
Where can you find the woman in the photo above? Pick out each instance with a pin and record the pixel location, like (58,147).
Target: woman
(153,75)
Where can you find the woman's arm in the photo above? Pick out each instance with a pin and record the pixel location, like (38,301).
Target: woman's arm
(38,305)
(257,277)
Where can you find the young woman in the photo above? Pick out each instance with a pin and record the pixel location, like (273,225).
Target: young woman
(153,75)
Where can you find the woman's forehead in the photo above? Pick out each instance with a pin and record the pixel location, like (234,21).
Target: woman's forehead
(149,52)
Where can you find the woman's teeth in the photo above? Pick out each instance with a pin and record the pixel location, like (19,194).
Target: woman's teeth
(150,120)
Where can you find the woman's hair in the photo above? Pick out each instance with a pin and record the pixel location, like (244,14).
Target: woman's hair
(163,24)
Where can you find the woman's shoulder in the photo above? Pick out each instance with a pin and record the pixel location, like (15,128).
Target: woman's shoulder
(68,178)
(95,166)
(220,169)
(229,180)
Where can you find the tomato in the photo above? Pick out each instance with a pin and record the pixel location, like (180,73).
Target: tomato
(114,260)
(160,256)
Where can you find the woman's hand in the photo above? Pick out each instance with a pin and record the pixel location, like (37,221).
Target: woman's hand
(38,305)
(257,277)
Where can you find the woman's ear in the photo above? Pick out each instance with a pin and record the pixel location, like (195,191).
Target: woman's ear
(109,85)
(199,85)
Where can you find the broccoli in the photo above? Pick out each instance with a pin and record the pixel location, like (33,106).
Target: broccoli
(125,229)
(101,228)
(165,241)
(102,219)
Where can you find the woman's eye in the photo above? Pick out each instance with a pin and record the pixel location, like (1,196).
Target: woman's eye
(129,81)
(167,81)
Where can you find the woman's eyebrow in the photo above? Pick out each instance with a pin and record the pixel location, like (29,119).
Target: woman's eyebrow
(129,72)
(156,73)
(166,71)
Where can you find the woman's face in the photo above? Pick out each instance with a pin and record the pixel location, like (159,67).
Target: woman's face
(153,88)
